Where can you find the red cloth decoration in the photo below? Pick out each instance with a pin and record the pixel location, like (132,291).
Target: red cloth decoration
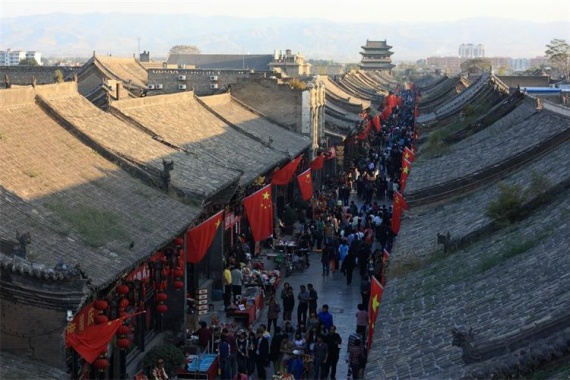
(306,184)
(259,211)
(94,339)
(376,291)
(284,175)
(376,122)
(399,201)
(199,239)
(400,204)
(317,163)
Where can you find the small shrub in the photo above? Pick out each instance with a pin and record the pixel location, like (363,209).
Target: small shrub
(173,358)
(508,207)
(297,84)
(538,187)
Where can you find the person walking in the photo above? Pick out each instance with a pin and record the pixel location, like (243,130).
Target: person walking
(356,358)
(334,342)
(326,257)
(313,297)
(348,265)
(325,317)
(273,310)
(224,356)
(262,354)
(361,320)
(288,304)
(302,305)
(365,291)
(320,357)
(227,286)
(237,280)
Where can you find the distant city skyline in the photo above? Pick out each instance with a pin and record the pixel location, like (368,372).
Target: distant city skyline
(353,11)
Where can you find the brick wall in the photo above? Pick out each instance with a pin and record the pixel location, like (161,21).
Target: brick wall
(22,75)
(198,80)
(276,101)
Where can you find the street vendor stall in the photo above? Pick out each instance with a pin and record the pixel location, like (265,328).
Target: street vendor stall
(203,366)
(250,306)
(268,280)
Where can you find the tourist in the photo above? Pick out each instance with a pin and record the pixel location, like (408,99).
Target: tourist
(325,317)
(273,310)
(320,357)
(334,342)
(262,354)
(227,286)
(356,359)
(303,305)
(313,297)
(361,320)
(237,280)
(288,304)
(159,373)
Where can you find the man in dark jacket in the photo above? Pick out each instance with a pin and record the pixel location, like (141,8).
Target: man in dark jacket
(348,267)
(262,354)
(334,341)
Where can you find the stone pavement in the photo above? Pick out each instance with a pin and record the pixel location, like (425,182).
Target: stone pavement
(332,290)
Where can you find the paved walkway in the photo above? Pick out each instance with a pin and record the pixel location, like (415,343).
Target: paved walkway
(332,290)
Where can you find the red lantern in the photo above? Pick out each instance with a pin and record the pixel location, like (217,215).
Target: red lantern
(161,308)
(100,304)
(178,285)
(178,272)
(123,343)
(179,241)
(123,303)
(122,289)
(101,364)
(123,330)
(161,297)
(100,319)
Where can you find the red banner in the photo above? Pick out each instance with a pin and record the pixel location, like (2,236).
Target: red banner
(317,163)
(399,201)
(82,320)
(406,166)
(94,340)
(259,211)
(408,155)
(376,291)
(284,175)
(306,184)
(200,238)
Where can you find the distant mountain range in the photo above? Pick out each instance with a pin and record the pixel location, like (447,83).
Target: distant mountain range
(67,35)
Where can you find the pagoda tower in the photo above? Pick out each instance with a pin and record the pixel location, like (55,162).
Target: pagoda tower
(376,56)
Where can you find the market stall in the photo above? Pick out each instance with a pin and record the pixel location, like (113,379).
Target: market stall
(251,304)
(203,366)
(268,280)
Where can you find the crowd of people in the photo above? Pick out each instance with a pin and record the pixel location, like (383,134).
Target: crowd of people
(348,237)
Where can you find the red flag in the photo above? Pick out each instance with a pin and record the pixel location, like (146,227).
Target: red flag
(259,211)
(376,291)
(199,239)
(406,166)
(408,155)
(306,184)
(317,163)
(284,175)
(399,201)
(376,122)
(385,255)
(364,134)
(395,222)
(92,341)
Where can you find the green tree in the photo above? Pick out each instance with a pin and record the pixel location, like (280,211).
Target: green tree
(28,62)
(558,54)
(58,76)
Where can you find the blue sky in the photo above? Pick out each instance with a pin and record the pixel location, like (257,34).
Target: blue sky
(353,10)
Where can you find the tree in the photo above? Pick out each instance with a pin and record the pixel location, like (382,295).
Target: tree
(476,65)
(184,49)
(28,62)
(58,76)
(558,54)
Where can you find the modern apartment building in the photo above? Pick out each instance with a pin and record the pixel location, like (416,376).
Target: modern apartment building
(13,57)
(471,51)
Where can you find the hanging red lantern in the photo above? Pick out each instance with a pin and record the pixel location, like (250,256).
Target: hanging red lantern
(100,364)
(162,308)
(101,305)
(178,285)
(178,272)
(122,289)
(123,343)
(124,303)
(161,297)
(123,330)
(100,319)
(179,241)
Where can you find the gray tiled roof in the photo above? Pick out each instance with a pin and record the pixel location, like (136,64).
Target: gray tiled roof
(249,122)
(193,175)
(257,62)
(183,121)
(78,207)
